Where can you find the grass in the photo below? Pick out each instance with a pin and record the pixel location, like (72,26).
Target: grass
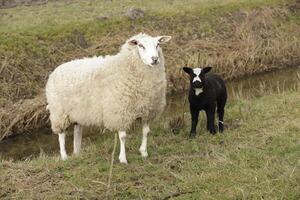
(237,37)
(60,14)
(256,158)
(36,39)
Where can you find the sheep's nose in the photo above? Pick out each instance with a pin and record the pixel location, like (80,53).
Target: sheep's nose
(197,84)
(155,59)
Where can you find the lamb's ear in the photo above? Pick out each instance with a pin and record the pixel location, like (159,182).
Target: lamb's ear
(133,42)
(206,69)
(187,70)
(163,39)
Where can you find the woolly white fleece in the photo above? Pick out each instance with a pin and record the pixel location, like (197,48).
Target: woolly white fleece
(112,91)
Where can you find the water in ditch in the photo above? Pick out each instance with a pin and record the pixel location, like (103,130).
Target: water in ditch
(42,141)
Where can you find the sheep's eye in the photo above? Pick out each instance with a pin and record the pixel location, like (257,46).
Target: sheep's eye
(157,45)
(140,45)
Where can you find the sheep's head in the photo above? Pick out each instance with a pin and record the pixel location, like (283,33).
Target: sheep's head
(149,48)
(197,78)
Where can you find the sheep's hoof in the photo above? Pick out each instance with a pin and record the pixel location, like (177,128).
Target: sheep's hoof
(213,132)
(122,160)
(76,154)
(144,153)
(64,157)
(192,135)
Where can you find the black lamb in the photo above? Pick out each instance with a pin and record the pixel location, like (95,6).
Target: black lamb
(207,91)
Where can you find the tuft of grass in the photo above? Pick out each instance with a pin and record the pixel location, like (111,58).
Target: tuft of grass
(257,157)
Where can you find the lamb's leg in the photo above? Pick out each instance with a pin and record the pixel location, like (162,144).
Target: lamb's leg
(195,115)
(122,156)
(143,148)
(77,138)
(210,114)
(220,110)
(221,121)
(61,139)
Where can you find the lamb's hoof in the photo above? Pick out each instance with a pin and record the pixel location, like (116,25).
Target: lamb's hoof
(221,130)
(144,153)
(213,132)
(192,135)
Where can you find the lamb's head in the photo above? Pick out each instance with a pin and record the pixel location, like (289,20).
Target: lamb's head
(149,48)
(197,78)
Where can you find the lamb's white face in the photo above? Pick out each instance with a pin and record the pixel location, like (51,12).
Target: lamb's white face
(197,72)
(197,78)
(149,49)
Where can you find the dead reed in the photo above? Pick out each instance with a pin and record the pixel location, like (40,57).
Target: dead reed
(23,116)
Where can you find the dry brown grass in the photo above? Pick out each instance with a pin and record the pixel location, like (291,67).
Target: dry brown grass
(23,116)
(253,43)
(241,43)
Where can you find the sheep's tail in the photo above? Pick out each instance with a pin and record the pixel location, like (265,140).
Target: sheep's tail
(47,107)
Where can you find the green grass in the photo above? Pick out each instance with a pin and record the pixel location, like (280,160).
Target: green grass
(36,39)
(55,20)
(78,12)
(256,158)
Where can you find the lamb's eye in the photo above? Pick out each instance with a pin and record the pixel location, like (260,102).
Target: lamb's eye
(157,45)
(140,45)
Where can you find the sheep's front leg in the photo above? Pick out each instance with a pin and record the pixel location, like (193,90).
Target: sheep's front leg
(195,116)
(210,114)
(61,139)
(122,156)
(143,148)
(77,138)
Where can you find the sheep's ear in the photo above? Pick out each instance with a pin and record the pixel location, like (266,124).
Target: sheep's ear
(206,69)
(133,42)
(163,39)
(187,70)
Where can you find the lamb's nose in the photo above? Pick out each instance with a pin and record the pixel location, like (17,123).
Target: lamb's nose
(155,59)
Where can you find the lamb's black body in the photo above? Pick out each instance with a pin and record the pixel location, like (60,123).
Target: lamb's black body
(214,96)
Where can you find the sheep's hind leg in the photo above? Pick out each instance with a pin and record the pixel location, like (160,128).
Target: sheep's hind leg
(220,110)
(143,148)
(61,139)
(77,139)
(122,155)
(221,121)
(210,115)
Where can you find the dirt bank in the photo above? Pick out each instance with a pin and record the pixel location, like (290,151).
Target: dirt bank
(13,3)
(237,42)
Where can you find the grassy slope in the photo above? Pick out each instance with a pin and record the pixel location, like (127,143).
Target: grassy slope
(257,158)
(34,40)
(238,37)
(22,19)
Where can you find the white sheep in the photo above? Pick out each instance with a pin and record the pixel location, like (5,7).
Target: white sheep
(111,91)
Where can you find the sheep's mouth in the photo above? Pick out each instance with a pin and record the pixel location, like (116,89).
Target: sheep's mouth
(197,85)
(153,65)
